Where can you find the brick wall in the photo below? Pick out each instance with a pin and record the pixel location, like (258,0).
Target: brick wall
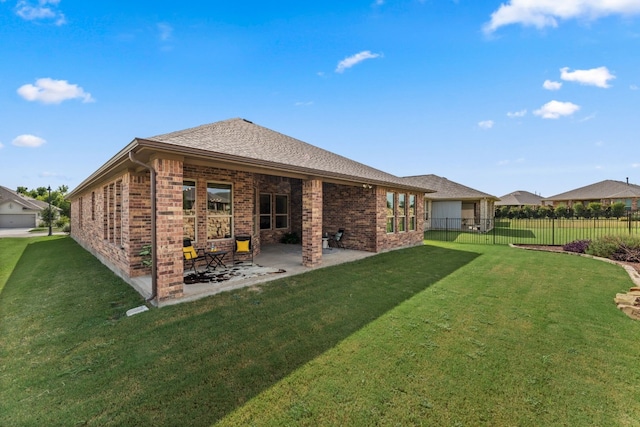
(112,225)
(387,241)
(243,185)
(312,198)
(354,209)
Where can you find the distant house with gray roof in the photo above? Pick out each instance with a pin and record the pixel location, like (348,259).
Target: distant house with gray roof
(217,181)
(18,210)
(520,199)
(605,192)
(453,205)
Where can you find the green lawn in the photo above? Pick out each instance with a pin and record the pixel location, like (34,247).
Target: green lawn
(538,231)
(436,335)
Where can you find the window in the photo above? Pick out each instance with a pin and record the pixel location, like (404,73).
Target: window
(219,211)
(426,209)
(189,209)
(274,211)
(93,206)
(412,212)
(402,212)
(391,212)
(282,211)
(265,211)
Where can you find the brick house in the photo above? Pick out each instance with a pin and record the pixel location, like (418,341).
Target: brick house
(213,182)
(453,205)
(606,192)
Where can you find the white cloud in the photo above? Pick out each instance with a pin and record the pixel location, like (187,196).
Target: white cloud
(515,114)
(28,141)
(589,117)
(633,87)
(485,124)
(165,31)
(635,165)
(49,91)
(594,77)
(46,174)
(1,145)
(556,109)
(355,59)
(546,13)
(44,10)
(303,104)
(549,85)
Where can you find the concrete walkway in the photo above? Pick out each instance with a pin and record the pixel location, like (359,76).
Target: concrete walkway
(24,232)
(272,257)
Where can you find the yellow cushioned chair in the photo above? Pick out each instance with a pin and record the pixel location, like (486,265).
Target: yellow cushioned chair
(242,245)
(191,255)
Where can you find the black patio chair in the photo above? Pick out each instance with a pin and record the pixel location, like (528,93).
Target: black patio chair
(192,255)
(336,239)
(244,246)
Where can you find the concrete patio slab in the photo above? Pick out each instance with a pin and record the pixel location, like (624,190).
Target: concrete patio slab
(273,257)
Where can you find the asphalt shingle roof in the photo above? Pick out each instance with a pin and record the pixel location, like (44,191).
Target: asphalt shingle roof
(8,195)
(246,141)
(520,198)
(445,189)
(608,189)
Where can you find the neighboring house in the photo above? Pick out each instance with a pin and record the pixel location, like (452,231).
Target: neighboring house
(605,192)
(229,178)
(454,205)
(520,199)
(18,210)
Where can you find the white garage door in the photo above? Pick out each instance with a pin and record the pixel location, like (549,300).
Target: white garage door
(446,214)
(17,221)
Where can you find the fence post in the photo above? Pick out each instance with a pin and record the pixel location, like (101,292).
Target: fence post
(629,221)
(553,231)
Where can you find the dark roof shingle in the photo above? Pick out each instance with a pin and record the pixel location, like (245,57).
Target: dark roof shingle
(607,189)
(520,198)
(247,141)
(446,189)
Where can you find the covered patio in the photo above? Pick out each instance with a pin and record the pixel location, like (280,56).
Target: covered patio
(275,261)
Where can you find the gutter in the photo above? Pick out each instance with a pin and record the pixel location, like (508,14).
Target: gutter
(154,257)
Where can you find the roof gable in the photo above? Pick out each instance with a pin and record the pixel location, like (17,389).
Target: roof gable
(247,141)
(8,195)
(446,189)
(607,189)
(520,198)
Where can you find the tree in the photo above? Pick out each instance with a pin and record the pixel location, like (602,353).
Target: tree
(595,209)
(579,210)
(618,209)
(561,211)
(48,215)
(57,198)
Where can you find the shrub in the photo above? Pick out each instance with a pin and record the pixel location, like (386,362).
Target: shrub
(578,246)
(290,238)
(621,248)
(604,246)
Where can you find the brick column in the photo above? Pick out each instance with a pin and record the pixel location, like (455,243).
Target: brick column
(169,227)
(312,223)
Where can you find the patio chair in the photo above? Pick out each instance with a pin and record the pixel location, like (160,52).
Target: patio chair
(244,246)
(336,239)
(192,255)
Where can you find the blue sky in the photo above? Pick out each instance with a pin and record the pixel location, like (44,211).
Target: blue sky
(500,95)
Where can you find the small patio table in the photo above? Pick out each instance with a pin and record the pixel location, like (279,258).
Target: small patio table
(215,259)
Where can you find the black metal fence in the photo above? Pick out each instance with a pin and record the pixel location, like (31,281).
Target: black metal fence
(541,231)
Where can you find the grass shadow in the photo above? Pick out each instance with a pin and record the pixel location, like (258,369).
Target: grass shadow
(189,364)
